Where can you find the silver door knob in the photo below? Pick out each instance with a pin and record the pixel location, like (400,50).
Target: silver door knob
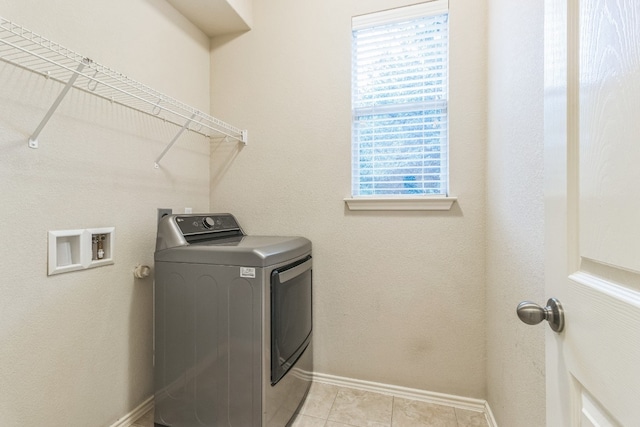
(532,314)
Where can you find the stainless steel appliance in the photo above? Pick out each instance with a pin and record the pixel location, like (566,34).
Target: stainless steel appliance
(233,324)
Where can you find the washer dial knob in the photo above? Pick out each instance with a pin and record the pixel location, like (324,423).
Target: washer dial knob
(208,222)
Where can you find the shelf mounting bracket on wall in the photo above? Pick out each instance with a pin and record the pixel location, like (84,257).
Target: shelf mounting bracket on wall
(33,140)
(30,51)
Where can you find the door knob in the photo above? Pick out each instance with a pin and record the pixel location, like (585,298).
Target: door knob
(532,314)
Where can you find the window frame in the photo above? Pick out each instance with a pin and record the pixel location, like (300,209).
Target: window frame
(401,201)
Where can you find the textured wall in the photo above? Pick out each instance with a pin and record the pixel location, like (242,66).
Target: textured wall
(515,212)
(399,297)
(76,348)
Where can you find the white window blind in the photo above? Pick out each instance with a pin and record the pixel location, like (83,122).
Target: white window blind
(399,101)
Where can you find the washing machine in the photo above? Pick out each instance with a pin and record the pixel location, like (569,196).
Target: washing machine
(232,324)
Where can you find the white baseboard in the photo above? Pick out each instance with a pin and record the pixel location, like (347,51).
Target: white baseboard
(487,413)
(132,416)
(460,402)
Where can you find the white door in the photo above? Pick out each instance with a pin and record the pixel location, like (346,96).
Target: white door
(592,198)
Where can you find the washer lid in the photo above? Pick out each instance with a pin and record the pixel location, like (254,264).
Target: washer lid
(250,251)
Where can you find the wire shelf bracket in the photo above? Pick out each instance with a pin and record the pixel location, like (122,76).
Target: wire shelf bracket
(28,50)
(33,140)
(173,141)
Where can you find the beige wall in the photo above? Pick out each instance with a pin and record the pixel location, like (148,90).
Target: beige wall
(515,212)
(399,297)
(76,348)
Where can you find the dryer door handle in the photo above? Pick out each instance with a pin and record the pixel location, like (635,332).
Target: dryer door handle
(296,271)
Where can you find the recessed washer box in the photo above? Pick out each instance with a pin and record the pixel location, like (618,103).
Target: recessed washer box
(102,244)
(72,250)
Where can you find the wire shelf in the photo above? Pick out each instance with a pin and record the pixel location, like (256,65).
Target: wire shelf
(26,49)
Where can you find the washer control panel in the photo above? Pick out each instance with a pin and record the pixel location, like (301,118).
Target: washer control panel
(206,224)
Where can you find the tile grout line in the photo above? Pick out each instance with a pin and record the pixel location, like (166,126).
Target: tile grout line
(393,401)
(332,405)
(455,415)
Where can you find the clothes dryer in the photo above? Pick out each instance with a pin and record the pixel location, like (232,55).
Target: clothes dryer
(232,324)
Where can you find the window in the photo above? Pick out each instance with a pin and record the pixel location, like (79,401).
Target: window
(399,102)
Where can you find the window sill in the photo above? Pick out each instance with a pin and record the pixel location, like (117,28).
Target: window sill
(427,203)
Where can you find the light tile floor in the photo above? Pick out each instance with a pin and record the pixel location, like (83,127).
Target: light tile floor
(332,406)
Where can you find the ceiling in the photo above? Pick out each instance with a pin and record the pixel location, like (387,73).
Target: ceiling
(216,17)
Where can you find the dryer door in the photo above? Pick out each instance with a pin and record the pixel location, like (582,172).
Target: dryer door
(290,315)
